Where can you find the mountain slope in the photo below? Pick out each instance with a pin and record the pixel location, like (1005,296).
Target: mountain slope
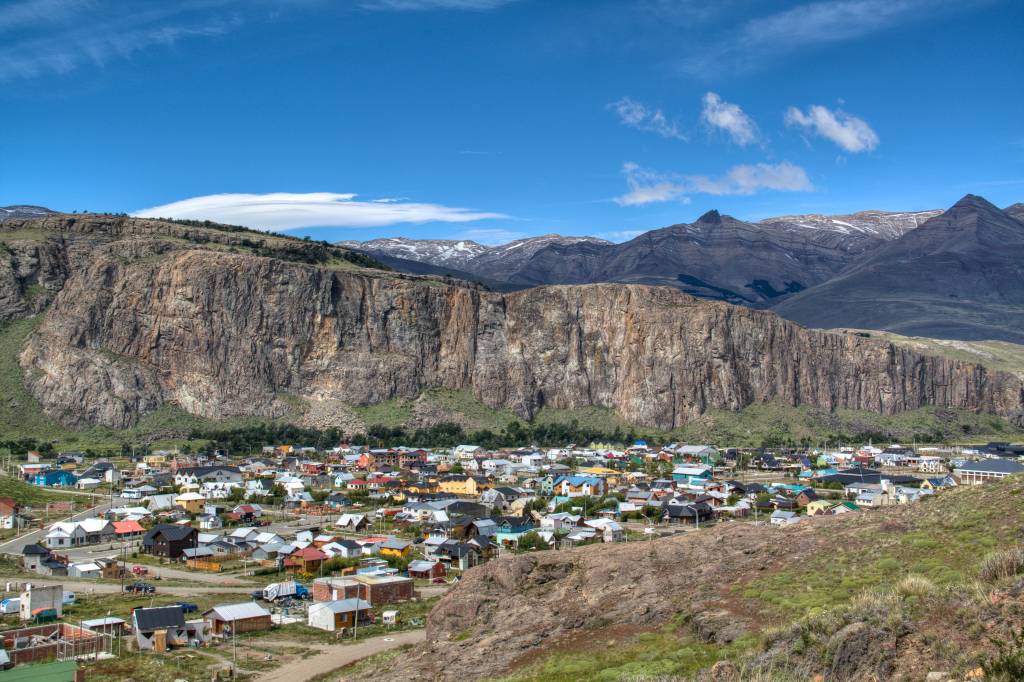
(716,257)
(888,594)
(960,276)
(22,212)
(227,324)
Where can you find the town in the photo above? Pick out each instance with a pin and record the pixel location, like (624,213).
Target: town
(183,555)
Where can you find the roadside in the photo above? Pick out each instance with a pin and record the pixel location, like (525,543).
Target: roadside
(332,657)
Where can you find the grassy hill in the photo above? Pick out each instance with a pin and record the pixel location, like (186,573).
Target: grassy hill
(998,355)
(878,595)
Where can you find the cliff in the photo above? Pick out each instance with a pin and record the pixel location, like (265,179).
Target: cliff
(225,323)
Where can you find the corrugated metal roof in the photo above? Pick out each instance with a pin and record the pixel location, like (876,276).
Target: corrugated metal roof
(240,611)
(345,605)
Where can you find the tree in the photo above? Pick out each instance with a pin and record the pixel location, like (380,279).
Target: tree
(532,541)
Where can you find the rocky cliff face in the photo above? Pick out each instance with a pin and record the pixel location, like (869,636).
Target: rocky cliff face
(149,318)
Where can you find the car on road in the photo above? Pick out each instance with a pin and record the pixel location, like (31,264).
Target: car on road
(140,588)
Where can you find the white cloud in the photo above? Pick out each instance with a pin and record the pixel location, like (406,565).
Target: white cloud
(730,118)
(288,211)
(649,186)
(849,132)
(749,178)
(635,115)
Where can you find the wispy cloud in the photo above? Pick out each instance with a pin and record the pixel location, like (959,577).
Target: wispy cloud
(39,37)
(648,186)
(730,118)
(421,5)
(288,211)
(757,41)
(640,117)
(849,132)
(749,178)
(490,237)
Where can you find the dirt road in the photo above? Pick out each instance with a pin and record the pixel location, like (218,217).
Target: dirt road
(332,657)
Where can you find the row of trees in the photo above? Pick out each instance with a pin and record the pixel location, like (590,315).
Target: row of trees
(251,438)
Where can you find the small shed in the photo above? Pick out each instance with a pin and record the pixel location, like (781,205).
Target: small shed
(426,570)
(238,618)
(335,615)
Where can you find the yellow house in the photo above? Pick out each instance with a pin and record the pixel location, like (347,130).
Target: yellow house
(460,484)
(610,475)
(396,547)
(155,460)
(819,507)
(191,502)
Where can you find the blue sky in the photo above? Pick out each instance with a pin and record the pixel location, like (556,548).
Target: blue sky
(496,119)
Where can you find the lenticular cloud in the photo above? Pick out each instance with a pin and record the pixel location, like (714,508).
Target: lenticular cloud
(288,211)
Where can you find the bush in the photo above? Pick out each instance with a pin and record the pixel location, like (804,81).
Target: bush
(1002,564)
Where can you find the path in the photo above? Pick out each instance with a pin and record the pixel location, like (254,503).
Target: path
(334,656)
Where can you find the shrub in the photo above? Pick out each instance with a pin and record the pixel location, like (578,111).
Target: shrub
(1002,564)
(915,585)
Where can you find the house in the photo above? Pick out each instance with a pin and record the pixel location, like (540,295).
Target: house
(692,474)
(396,547)
(169,540)
(806,496)
(203,474)
(974,473)
(10,514)
(352,522)
(210,522)
(235,619)
(609,530)
(339,614)
(85,569)
(127,530)
(162,628)
(426,570)
(306,560)
(579,486)
(108,625)
(91,531)
(55,479)
(462,484)
(784,518)
(819,507)
(192,503)
(682,511)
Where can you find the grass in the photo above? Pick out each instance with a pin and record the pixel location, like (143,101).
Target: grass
(98,605)
(35,496)
(998,355)
(941,541)
(670,652)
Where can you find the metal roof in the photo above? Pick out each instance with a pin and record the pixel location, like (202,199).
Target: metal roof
(240,611)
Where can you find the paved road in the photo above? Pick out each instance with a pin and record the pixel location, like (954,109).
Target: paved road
(86,586)
(332,657)
(14,546)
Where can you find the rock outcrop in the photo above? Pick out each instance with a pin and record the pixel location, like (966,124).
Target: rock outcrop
(150,316)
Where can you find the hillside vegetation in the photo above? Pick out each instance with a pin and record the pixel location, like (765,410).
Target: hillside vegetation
(878,595)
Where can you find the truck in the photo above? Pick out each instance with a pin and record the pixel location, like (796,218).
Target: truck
(288,588)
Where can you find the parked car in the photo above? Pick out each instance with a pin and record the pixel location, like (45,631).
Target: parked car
(141,588)
(187,607)
(140,570)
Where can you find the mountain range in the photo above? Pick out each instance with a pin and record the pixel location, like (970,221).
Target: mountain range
(225,322)
(929,273)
